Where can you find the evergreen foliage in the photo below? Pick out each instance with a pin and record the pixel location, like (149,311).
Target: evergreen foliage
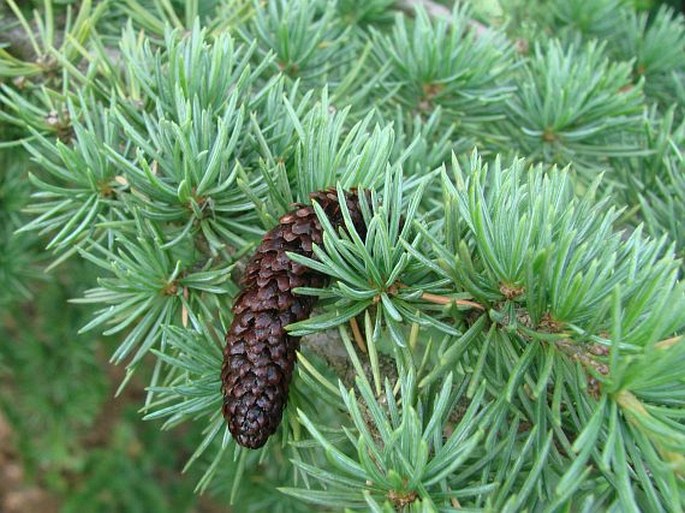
(508,336)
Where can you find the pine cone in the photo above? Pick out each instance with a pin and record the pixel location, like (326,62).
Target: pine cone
(259,356)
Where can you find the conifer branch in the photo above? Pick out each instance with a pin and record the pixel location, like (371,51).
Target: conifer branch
(493,332)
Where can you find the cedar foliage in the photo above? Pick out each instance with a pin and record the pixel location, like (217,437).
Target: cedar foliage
(506,336)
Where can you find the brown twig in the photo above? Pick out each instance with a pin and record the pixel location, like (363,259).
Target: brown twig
(438,11)
(358,338)
(328,346)
(446,300)
(669,342)
(578,353)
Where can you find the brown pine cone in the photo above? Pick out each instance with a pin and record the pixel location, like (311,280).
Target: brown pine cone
(259,356)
